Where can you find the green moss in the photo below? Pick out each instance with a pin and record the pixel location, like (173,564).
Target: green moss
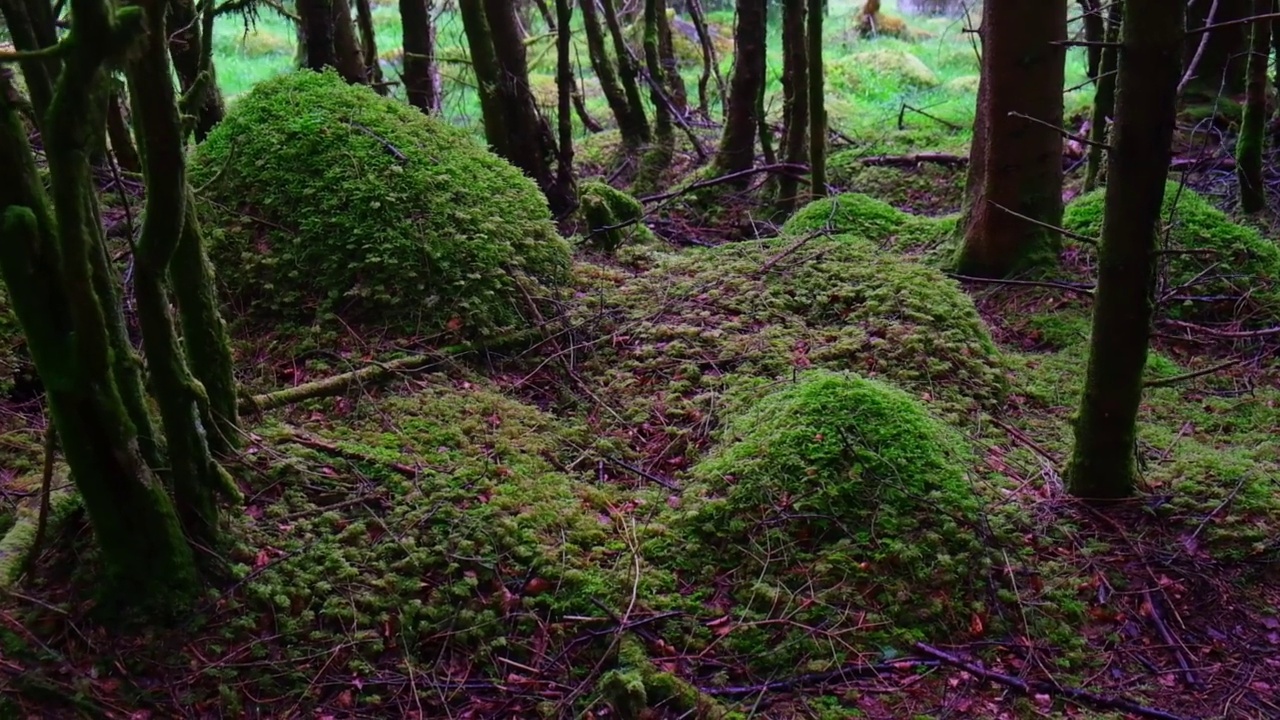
(14,362)
(840,492)
(604,209)
(1220,268)
(330,200)
(871,219)
(849,72)
(711,327)
(926,189)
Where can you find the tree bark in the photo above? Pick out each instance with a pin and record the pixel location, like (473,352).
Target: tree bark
(1220,68)
(1104,97)
(817,102)
(1253,193)
(346,45)
(419,56)
(316,31)
(146,559)
(1015,166)
(192,57)
(565,87)
(1102,462)
(737,151)
(795,90)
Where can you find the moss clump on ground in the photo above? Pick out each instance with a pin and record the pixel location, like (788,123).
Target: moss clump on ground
(925,189)
(851,71)
(709,327)
(1235,272)
(874,220)
(327,199)
(605,209)
(852,481)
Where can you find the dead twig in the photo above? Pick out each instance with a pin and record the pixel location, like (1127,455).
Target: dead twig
(1167,635)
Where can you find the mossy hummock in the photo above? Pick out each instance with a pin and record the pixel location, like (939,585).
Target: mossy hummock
(331,201)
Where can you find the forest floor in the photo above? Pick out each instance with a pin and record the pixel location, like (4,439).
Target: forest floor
(490,535)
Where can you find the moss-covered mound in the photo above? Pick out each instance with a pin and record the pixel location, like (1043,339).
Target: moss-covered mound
(851,481)
(709,327)
(612,217)
(852,71)
(926,189)
(871,219)
(1233,271)
(325,199)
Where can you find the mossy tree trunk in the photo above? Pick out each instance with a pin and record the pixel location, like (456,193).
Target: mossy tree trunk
(1253,193)
(1104,96)
(658,158)
(419,55)
(671,78)
(565,84)
(795,91)
(817,101)
(192,473)
(50,272)
(120,136)
(1220,67)
(710,63)
(485,66)
(737,151)
(1102,461)
(628,76)
(31,26)
(1015,162)
(632,123)
(192,51)
(529,144)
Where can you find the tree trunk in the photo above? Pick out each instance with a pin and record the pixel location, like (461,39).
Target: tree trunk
(146,559)
(120,137)
(31,26)
(485,65)
(346,45)
(565,86)
(628,75)
(1253,193)
(795,91)
(192,56)
(633,126)
(419,56)
(1095,28)
(1220,68)
(1104,97)
(710,63)
(671,78)
(1102,461)
(659,157)
(369,46)
(817,102)
(545,11)
(316,34)
(737,150)
(1015,168)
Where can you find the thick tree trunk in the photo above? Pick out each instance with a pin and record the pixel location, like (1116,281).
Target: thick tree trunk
(795,91)
(1253,193)
(192,57)
(346,45)
(737,150)
(1102,461)
(485,65)
(316,31)
(1220,67)
(1104,97)
(817,102)
(419,56)
(1015,168)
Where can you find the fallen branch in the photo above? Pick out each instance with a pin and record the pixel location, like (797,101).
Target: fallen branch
(1167,381)
(1167,635)
(1226,334)
(913,159)
(307,440)
(722,179)
(820,678)
(1087,291)
(660,480)
(1032,687)
(373,373)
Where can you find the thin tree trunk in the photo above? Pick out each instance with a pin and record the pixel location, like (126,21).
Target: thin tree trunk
(565,82)
(671,78)
(710,63)
(1104,97)
(31,26)
(1218,67)
(628,76)
(1253,193)
(1014,187)
(192,56)
(737,143)
(545,11)
(485,65)
(795,90)
(346,45)
(1102,461)
(369,45)
(419,56)
(817,101)
(1095,27)
(120,137)
(658,159)
(316,29)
